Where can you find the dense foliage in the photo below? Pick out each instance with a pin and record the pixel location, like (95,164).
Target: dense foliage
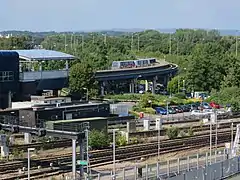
(207,61)
(98,139)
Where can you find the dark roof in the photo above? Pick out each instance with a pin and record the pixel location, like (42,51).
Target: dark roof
(8,53)
(43,55)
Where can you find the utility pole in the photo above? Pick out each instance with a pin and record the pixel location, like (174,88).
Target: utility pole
(105,39)
(114,153)
(159,134)
(177,47)
(82,41)
(236,43)
(232,136)
(132,43)
(138,42)
(210,141)
(87,149)
(170,44)
(178,83)
(65,42)
(216,137)
(71,41)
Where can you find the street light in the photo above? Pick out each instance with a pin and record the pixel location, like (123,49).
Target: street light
(216,137)
(87,93)
(136,86)
(114,153)
(159,134)
(29,149)
(167,106)
(87,143)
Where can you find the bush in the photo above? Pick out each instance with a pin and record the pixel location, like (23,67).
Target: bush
(121,140)
(190,131)
(132,97)
(98,139)
(182,134)
(172,132)
(180,95)
(149,111)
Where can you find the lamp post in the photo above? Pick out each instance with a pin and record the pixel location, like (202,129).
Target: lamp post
(87,93)
(210,140)
(87,149)
(216,137)
(136,86)
(29,149)
(159,134)
(114,153)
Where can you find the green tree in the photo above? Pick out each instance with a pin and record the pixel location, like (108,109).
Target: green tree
(82,76)
(146,100)
(206,72)
(98,139)
(227,95)
(176,84)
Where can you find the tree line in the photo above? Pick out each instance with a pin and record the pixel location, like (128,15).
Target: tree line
(207,61)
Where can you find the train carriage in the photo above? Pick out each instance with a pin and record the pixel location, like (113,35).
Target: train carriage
(133,63)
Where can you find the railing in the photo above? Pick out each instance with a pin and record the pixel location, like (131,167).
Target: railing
(199,166)
(36,75)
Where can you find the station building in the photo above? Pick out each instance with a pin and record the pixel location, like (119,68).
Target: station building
(22,73)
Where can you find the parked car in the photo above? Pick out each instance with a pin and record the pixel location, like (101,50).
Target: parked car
(178,109)
(214,105)
(186,108)
(204,105)
(171,110)
(161,110)
(201,113)
(193,106)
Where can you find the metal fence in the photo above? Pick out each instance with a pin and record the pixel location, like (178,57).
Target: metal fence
(199,166)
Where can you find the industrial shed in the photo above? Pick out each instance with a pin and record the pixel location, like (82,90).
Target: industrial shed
(98,123)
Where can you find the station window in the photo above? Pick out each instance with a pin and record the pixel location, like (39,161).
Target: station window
(6,76)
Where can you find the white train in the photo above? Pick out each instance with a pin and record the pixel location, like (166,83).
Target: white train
(133,63)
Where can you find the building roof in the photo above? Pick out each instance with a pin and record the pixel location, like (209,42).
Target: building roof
(8,53)
(43,55)
(79,120)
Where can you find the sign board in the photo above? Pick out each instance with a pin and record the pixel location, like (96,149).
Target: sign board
(82,162)
(227,145)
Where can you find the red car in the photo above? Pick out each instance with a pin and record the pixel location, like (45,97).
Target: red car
(214,105)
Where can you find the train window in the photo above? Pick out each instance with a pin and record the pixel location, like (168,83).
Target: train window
(138,62)
(145,61)
(115,64)
(152,61)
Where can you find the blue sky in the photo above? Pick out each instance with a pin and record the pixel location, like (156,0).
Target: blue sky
(75,15)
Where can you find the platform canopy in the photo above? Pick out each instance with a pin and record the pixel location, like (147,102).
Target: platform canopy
(43,55)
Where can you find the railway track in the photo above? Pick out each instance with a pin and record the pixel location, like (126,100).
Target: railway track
(123,154)
(152,133)
(104,157)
